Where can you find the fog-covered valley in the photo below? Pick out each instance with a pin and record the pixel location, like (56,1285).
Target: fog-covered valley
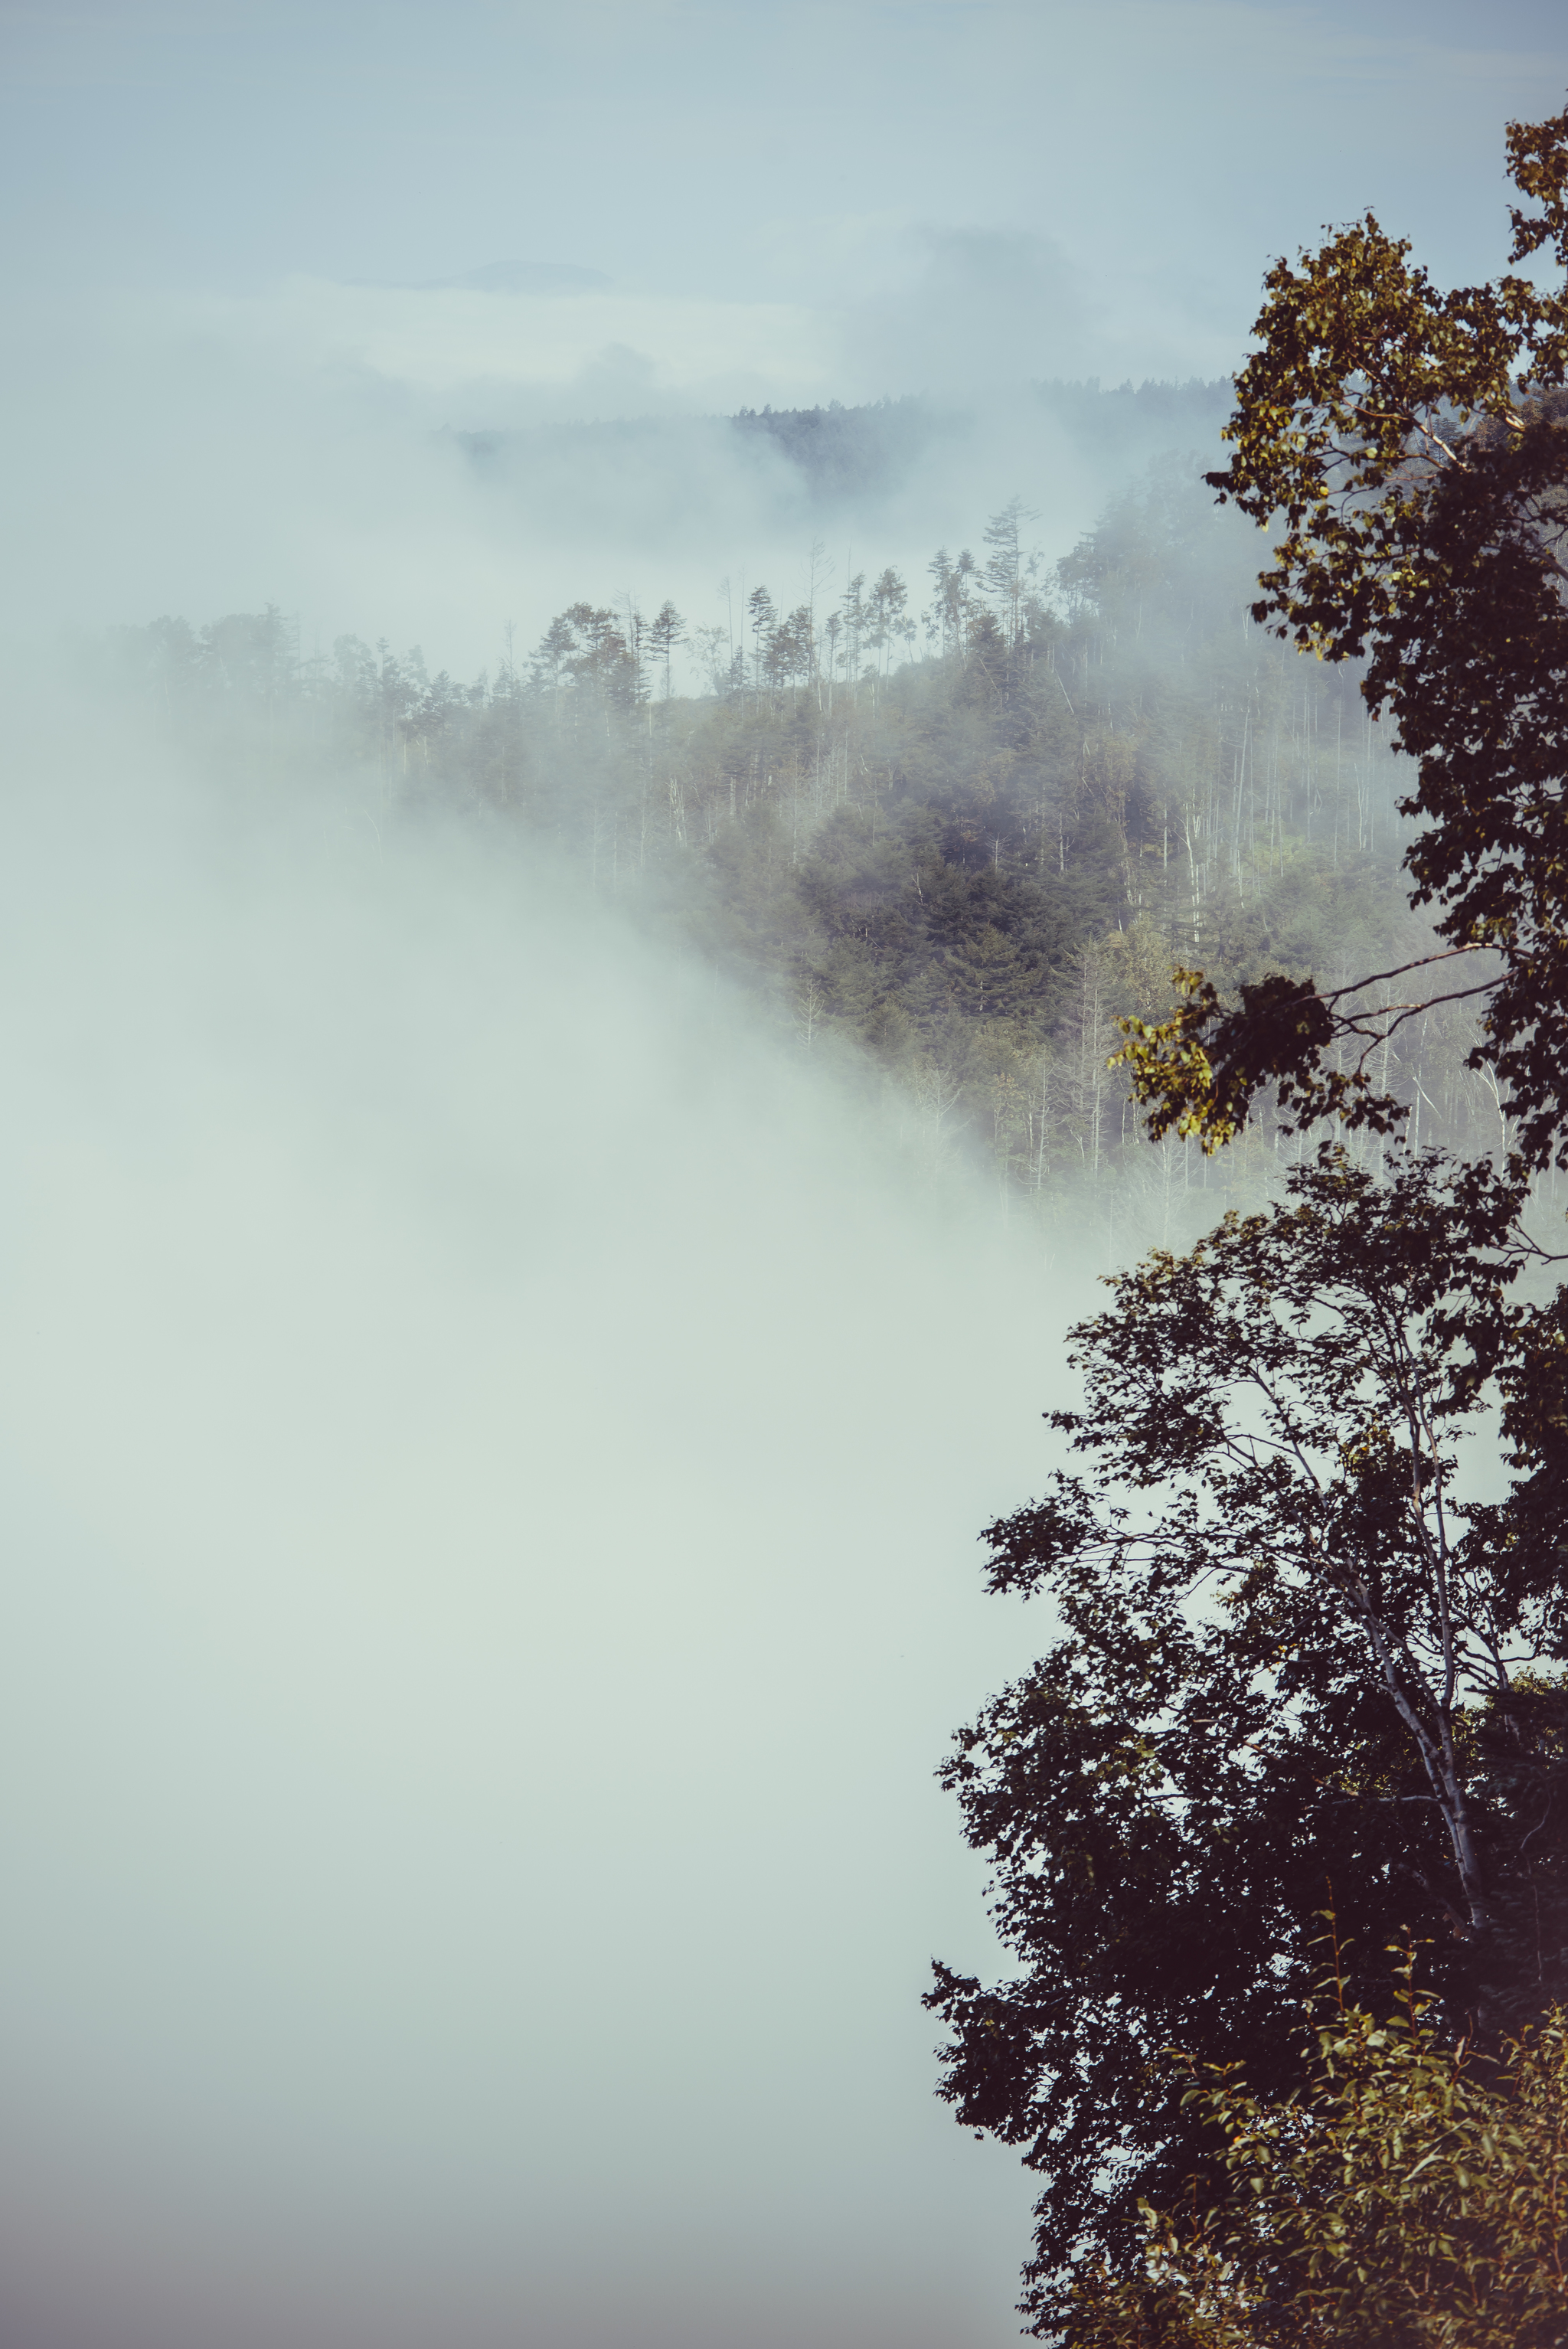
(483,1607)
(945,826)
(615,668)
(543,1213)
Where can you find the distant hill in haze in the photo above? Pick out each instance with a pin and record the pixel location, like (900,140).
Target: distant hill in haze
(1134,415)
(837,451)
(842,454)
(839,448)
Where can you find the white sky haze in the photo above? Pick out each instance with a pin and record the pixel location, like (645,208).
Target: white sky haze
(235,229)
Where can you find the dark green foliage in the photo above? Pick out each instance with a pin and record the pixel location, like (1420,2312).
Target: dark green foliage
(1409,2196)
(1293,1666)
(1409,448)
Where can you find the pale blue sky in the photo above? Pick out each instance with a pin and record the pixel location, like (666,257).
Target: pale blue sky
(221,226)
(1132,163)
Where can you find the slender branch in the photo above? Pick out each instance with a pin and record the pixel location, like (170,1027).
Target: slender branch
(1422,962)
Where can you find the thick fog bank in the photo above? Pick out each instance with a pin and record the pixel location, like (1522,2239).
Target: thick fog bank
(202,458)
(492,1456)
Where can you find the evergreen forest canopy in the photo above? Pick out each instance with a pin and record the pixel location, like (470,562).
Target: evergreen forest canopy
(949,829)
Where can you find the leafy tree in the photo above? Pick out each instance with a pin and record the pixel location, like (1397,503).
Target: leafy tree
(1412,447)
(586,647)
(854,616)
(1291,1656)
(1409,2196)
(791,649)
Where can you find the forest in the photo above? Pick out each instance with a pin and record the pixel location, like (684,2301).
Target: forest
(947,832)
(784,985)
(1276,1822)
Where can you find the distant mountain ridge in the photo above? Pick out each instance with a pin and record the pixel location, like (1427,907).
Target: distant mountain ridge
(839,451)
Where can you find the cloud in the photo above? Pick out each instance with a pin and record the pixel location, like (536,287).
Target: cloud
(979,310)
(456,344)
(307,448)
(489,1472)
(524,277)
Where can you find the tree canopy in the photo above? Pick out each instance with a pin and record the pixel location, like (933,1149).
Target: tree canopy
(1295,1664)
(1410,447)
(1303,1660)
(1408,2196)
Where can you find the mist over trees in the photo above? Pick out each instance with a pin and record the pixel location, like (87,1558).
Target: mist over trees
(949,829)
(954,831)
(837,462)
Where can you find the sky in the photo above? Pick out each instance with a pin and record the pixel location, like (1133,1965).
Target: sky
(491,1447)
(741,176)
(763,159)
(258,257)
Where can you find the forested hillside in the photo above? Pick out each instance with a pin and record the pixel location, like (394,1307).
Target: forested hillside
(947,829)
(842,464)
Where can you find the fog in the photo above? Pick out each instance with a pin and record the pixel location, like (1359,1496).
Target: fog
(492,1458)
(494,1446)
(493,1439)
(331,450)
